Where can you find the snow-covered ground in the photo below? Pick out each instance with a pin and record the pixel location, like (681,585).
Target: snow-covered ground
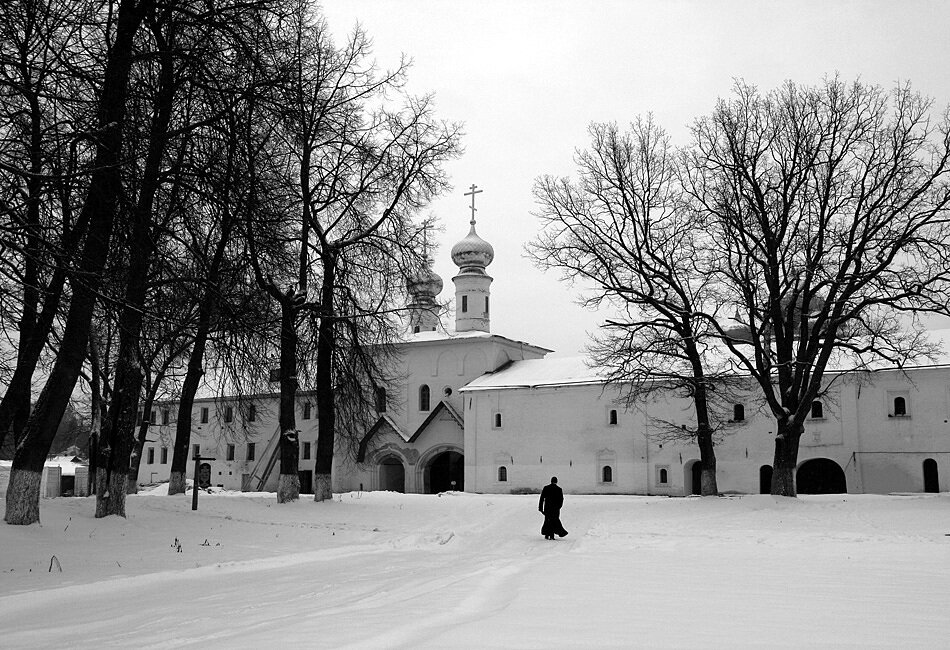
(383,570)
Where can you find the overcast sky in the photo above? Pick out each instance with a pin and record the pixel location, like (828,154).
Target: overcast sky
(527,78)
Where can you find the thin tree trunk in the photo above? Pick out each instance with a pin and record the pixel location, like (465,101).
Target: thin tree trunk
(786,459)
(288,483)
(326,406)
(100,207)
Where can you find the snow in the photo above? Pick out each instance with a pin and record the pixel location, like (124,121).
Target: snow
(384,570)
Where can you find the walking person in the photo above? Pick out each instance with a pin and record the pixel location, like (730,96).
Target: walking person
(552,498)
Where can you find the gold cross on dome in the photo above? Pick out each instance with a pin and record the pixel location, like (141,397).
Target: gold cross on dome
(472,193)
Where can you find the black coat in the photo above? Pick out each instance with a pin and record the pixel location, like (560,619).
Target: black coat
(552,498)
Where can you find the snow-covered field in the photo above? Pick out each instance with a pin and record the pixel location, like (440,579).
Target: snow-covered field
(383,570)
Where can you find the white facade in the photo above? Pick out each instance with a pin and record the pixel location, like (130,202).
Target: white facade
(486,413)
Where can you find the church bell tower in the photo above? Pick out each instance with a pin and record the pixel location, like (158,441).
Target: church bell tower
(472,255)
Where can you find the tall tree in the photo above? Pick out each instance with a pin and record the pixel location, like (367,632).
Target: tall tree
(828,213)
(99,210)
(623,229)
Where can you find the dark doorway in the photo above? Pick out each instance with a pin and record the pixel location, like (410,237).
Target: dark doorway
(392,475)
(820,476)
(446,472)
(931,479)
(696,482)
(765,479)
(306,481)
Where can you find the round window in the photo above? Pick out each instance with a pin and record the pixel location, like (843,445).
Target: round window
(447,391)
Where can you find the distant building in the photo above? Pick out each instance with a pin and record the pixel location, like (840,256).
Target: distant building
(487,413)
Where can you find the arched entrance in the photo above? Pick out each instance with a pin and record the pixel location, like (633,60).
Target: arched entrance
(446,471)
(392,474)
(693,482)
(765,479)
(820,476)
(931,478)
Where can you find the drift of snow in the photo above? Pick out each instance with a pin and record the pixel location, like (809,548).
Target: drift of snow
(384,570)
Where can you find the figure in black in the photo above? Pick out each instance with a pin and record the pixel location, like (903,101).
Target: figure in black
(552,498)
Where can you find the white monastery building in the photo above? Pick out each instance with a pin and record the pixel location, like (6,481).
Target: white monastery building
(482,412)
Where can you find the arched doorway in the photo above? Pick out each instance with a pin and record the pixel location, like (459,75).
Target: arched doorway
(392,474)
(446,471)
(931,478)
(820,476)
(765,479)
(694,477)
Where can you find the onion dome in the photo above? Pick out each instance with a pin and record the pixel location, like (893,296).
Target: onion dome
(426,284)
(472,254)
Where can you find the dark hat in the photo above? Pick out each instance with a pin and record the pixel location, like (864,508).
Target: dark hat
(554,479)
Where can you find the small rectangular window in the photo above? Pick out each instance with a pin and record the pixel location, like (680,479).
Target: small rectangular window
(250,451)
(464,304)
(165,416)
(230,452)
(164,455)
(486,305)
(204,415)
(251,413)
(306,410)
(228,413)
(151,456)
(195,451)
(152,417)
(306,451)
(662,475)
(612,417)
(380,400)
(496,421)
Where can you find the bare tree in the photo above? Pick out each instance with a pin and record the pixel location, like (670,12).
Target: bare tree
(828,210)
(624,229)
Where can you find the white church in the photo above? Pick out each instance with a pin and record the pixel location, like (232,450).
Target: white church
(482,412)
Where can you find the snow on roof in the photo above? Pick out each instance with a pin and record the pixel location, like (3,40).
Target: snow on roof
(65,463)
(447,337)
(533,373)
(575,371)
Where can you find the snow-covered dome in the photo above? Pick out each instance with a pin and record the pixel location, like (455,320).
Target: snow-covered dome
(428,283)
(472,253)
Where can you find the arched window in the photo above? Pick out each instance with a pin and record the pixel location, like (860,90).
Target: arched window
(613,416)
(502,474)
(497,420)
(664,476)
(817,410)
(424,397)
(607,474)
(738,413)
(900,406)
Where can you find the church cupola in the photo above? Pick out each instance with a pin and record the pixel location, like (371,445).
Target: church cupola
(472,255)
(424,309)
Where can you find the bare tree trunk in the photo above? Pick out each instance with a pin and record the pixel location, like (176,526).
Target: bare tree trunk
(326,405)
(288,484)
(786,459)
(100,207)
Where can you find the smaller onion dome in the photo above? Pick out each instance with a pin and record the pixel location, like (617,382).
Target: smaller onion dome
(427,284)
(472,253)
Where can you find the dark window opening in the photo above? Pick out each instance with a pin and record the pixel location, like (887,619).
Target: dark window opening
(738,413)
(486,305)
(817,410)
(424,397)
(497,420)
(250,450)
(230,455)
(306,451)
(607,474)
(900,406)
(613,416)
(229,413)
(502,474)
(931,478)
(306,410)
(251,413)
(380,399)
(151,456)
(204,415)
(664,477)
(164,455)
(165,416)
(464,304)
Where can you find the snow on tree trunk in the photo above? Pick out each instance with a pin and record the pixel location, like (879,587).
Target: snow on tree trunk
(288,488)
(322,487)
(110,493)
(786,459)
(176,483)
(23,497)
